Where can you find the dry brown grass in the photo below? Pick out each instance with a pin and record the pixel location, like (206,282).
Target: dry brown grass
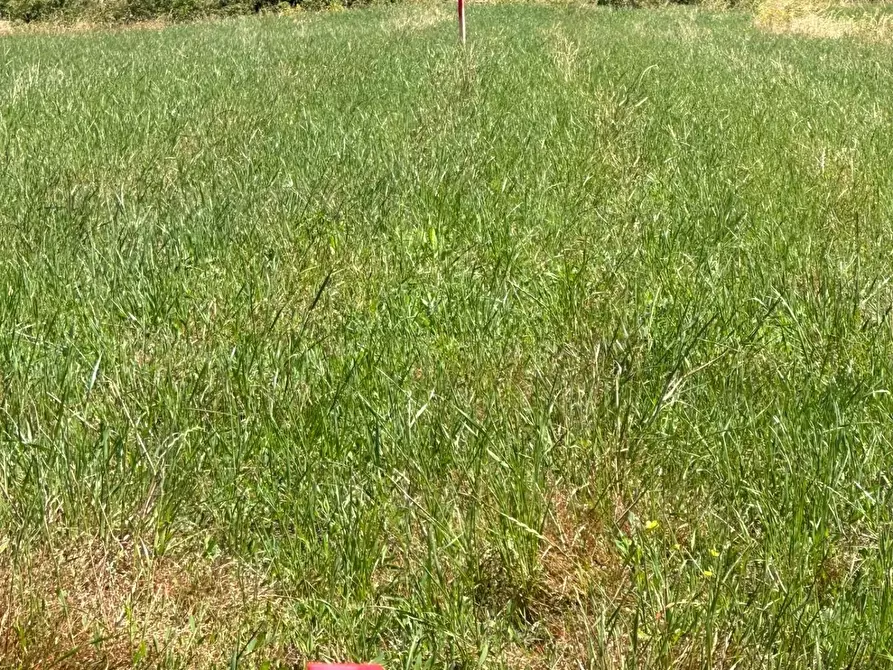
(415,17)
(60,28)
(89,605)
(809,18)
(579,560)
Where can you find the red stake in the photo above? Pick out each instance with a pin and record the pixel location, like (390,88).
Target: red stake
(462,20)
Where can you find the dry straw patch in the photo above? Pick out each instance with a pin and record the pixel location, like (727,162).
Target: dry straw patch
(579,560)
(820,26)
(416,17)
(90,606)
(818,20)
(82,26)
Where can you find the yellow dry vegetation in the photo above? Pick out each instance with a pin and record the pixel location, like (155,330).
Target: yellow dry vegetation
(88,605)
(416,16)
(810,18)
(81,26)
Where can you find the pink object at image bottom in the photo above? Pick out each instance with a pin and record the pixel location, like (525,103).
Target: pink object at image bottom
(343,666)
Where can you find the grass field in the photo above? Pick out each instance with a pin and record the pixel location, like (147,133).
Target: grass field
(321,337)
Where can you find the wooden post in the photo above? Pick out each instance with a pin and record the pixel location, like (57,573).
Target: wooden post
(462,20)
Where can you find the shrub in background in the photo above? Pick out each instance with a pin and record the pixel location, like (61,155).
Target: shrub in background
(122,11)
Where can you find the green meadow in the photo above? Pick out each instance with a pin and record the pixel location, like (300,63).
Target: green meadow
(324,338)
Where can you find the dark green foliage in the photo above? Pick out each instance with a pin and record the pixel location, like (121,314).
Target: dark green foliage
(32,10)
(123,11)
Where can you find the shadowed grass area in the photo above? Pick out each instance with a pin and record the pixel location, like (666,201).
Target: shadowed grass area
(572,347)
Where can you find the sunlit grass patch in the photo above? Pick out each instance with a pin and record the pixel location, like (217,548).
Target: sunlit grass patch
(825,20)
